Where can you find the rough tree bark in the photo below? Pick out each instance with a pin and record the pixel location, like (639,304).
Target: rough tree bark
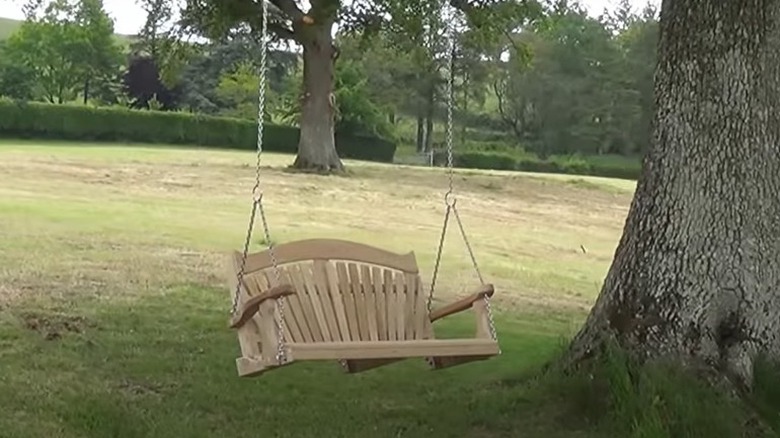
(317,145)
(696,274)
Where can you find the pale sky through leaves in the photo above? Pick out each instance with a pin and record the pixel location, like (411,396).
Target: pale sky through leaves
(129,17)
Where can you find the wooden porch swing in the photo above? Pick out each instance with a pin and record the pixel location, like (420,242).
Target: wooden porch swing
(329,299)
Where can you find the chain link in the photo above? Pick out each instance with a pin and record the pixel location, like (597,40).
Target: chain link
(257,196)
(491,323)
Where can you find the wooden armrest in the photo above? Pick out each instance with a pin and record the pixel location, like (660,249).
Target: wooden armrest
(463,304)
(248,309)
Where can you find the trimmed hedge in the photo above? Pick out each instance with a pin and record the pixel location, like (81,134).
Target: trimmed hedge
(574,165)
(36,120)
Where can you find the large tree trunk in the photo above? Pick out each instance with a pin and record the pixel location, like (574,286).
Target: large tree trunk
(86,91)
(420,132)
(696,275)
(317,145)
(430,106)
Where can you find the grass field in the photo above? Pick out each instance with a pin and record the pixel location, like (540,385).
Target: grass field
(113,306)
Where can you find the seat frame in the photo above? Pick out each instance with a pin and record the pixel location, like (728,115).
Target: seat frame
(260,342)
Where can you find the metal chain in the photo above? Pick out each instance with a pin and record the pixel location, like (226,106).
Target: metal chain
(491,323)
(493,333)
(450,87)
(241,270)
(279,318)
(257,196)
(449,198)
(468,244)
(438,257)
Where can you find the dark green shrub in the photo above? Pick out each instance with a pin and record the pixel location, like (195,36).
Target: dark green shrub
(530,164)
(573,164)
(35,120)
(363,147)
(610,167)
(486,160)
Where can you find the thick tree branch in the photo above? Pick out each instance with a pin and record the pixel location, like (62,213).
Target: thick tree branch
(512,123)
(282,31)
(288,7)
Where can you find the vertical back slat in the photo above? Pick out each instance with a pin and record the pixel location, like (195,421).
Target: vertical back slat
(390,300)
(319,270)
(422,317)
(271,316)
(410,304)
(296,306)
(350,298)
(257,283)
(369,293)
(361,307)
(302,295)
(377,280)
(338,297)
(316,302)
(400,306)
(291,312)
(254,285)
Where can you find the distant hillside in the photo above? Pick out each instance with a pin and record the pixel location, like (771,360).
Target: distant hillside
(9,26)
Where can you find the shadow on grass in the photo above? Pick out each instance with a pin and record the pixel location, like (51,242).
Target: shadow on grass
(163,367)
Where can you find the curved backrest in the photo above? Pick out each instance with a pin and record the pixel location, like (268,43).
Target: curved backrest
(331,249)
(345,291)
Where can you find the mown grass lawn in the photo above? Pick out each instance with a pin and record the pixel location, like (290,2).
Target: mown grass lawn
(113,304)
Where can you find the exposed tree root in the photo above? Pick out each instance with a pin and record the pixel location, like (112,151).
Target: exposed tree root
(333,166)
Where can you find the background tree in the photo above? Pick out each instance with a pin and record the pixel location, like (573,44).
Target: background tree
(313,31)
(222,18)
(64,45)
(158,31)
(695,275)
(100,56)
(143,85)
(49,44)
(16,79)
(239,88)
